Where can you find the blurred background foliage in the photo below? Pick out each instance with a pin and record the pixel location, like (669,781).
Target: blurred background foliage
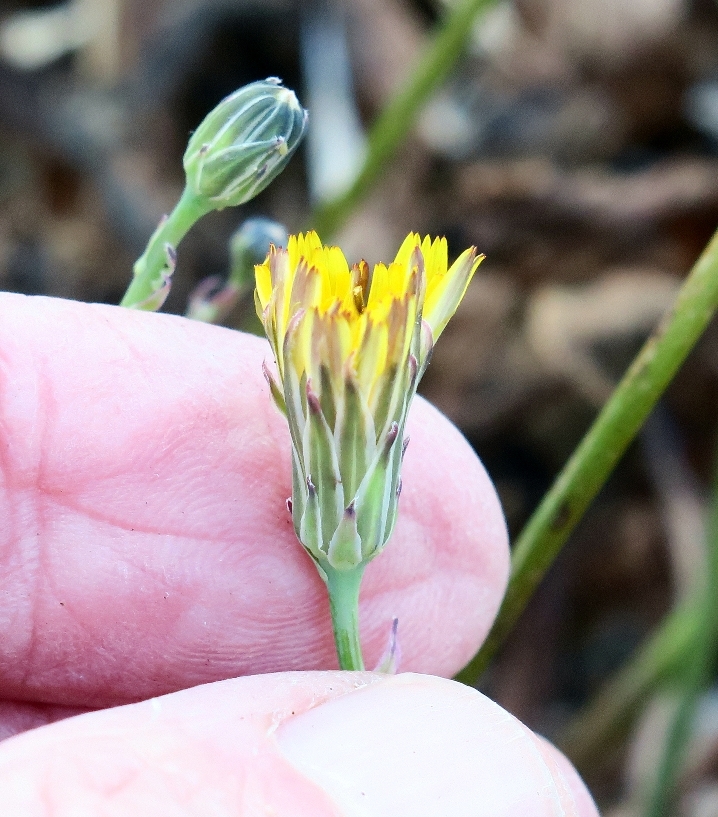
(575,142)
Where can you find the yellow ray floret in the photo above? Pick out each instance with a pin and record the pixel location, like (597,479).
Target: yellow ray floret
(370,316)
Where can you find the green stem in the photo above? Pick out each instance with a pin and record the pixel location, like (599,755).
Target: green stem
(343,586)
(398,117)
(694,677)
(606,717)
(609,436)
(662,785)
(673,647)
(151,267)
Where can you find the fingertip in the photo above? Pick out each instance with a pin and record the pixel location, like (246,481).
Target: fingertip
(164,489)
(569,784)
(421,745)
(318,744)
(204,750)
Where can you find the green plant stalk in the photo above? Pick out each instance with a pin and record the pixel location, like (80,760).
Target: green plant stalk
(661,659)
(343,587)
(661,788)
(695,675)
(609,713)
(153,265)
(596,456)
(398,117)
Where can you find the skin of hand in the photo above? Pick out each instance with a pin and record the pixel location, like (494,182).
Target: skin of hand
(146,548)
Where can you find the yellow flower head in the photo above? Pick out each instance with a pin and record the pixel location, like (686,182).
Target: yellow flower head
(362,317)
(350,346)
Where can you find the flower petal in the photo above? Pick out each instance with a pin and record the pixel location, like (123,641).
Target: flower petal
(444,293)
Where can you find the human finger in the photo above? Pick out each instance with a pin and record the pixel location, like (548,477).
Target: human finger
(294,744)
(146,545)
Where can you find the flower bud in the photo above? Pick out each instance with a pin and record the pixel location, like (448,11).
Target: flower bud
(213,299)
(249,246)
(244,143)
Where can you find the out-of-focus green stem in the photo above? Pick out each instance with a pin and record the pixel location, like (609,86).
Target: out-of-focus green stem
(610,712)
(396,120)
(343,587)
(593,461)
(694,676)
(658,801)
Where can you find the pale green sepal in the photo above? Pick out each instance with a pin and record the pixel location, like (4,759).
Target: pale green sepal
(295,402)
(356,438)
(302,391)
(385,398)
(311,523)
(299,492)
(345,552)
(425,348)
(322,572)
(373,500)
(399,390)
(321,463)
(410,382)
(274,389)
(326,396)
(393,490)
(384,490)
(260,314)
